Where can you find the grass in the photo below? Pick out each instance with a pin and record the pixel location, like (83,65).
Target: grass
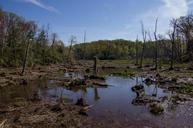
(133,61)
(186,89)
(118,72)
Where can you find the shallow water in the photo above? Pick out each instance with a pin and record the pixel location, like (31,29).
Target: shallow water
(112,104)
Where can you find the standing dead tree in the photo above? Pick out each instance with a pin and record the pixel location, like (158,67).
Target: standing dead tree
(25,57)
(172,37)
(156,46)
(54,36)
(69,56)
(150,40)
(144,34)
(84,52)
(136,51)
(28,39)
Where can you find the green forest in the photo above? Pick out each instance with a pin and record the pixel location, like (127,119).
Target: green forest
(17,35)
(113,83)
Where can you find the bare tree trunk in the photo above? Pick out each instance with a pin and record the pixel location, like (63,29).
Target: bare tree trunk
(172,36)
(150,39)
(84,53)
(69,52)
(25,58)
(142,56)
(156,46)
(144,33)
(136,52)
(69,57)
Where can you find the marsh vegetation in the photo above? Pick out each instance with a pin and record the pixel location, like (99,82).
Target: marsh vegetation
(105,83)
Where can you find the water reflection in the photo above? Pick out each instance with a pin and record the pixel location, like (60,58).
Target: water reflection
(96,94)
(114,101)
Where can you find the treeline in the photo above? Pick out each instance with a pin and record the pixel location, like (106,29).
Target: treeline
(124,49)
(105,49)
(175,47)
(22,40)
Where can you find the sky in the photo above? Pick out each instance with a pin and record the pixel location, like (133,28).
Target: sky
(101,19)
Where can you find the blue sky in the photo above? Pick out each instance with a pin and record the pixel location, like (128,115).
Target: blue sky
(101,19)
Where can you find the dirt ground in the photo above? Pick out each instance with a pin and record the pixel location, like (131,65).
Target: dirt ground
(39,113)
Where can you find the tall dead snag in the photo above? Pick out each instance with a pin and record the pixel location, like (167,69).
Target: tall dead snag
(69,56)
(156,46)
(29,36)
(25,57)
(54,36)
(84,52)
(172,37)
(156,56)
(150,40)
(144,33)
(136,51)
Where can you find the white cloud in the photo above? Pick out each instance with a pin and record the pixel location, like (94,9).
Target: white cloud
(165,11)
(43,6)
(174,8)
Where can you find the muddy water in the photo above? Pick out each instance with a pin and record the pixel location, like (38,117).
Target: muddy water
(112,105)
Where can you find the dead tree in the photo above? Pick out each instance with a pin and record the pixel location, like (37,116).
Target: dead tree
(69,56)
(144,33)
(150,39)
(54,36)
(172,37)
(156,46)
(136,51)
(25,57)
(84,52)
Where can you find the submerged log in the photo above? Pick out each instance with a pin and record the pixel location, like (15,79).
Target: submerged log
(94,77)
(101,84)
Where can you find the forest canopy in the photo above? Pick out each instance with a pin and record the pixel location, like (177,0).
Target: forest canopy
(15,35)
(18,35)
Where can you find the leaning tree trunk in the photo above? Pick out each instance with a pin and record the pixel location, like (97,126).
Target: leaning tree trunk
(25,58)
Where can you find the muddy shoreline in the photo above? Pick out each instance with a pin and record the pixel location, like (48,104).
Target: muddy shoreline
(34,112)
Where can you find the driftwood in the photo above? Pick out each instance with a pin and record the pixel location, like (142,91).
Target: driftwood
(2,124)
(100,84)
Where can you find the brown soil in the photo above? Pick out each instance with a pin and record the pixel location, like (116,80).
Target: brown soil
(40,114)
